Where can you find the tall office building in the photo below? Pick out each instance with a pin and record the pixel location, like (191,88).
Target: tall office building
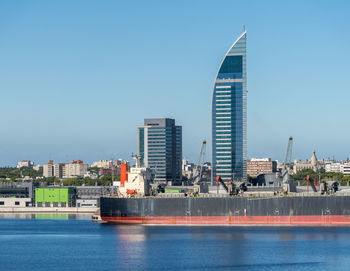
(229,115)
(159,146)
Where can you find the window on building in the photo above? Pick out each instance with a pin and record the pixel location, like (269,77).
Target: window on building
(2,203)
(16,202)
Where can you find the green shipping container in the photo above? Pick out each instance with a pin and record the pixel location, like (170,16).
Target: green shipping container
(172,190)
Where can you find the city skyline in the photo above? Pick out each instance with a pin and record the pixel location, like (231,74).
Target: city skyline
(76,78)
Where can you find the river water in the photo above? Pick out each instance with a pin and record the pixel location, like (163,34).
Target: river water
(70,242)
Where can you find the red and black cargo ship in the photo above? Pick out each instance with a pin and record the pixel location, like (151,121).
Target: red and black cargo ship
(291,210)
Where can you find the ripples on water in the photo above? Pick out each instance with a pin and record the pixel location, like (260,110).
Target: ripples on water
(70,242)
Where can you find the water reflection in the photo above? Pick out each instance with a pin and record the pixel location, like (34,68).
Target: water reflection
(42,215)
(74,244)
(131,233)
(267,248)
(51,216)
(131,246)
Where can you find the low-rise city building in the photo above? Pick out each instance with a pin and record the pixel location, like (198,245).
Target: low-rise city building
(37,167)
(108,163)
(258,166)
(15,202)
(333,167)
(102,164)
(108,171)
(91,175)
(345,167)
(341,167)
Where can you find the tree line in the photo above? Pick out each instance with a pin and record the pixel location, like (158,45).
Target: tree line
(301,176)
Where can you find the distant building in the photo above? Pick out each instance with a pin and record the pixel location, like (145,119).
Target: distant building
(91,175)
(76,169)
(48,169)
(108,171)
(109,163)
(159,146)
(59,170)
(37,167)
(118,162)
(103,164)
(64,170)
(341,167)
(187,169)
(25,163)
(333,167)
(345,168)
(301,165)
(256,167)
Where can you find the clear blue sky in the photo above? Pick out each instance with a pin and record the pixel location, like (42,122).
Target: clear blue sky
(77,77)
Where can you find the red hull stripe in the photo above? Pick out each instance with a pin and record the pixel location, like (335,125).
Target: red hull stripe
(235,220)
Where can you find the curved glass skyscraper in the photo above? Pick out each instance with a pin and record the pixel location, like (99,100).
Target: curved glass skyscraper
(229,115)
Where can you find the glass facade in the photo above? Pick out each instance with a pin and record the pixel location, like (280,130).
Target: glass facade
(160,148)
(229,115)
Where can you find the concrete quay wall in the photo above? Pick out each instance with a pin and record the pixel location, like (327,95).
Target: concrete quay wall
(74,210)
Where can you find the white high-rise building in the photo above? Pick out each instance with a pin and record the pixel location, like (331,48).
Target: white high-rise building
(75,169)
(25,163)
(48,169)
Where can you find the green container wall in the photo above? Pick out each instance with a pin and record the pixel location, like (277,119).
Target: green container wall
(53,195)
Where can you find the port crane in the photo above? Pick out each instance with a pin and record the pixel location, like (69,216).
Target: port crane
(287,181)
(232,188)
(288,159)
(199,168)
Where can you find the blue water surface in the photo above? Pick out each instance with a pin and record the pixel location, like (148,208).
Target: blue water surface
(69,242)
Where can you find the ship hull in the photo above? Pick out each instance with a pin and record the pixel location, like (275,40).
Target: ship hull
(323,210)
